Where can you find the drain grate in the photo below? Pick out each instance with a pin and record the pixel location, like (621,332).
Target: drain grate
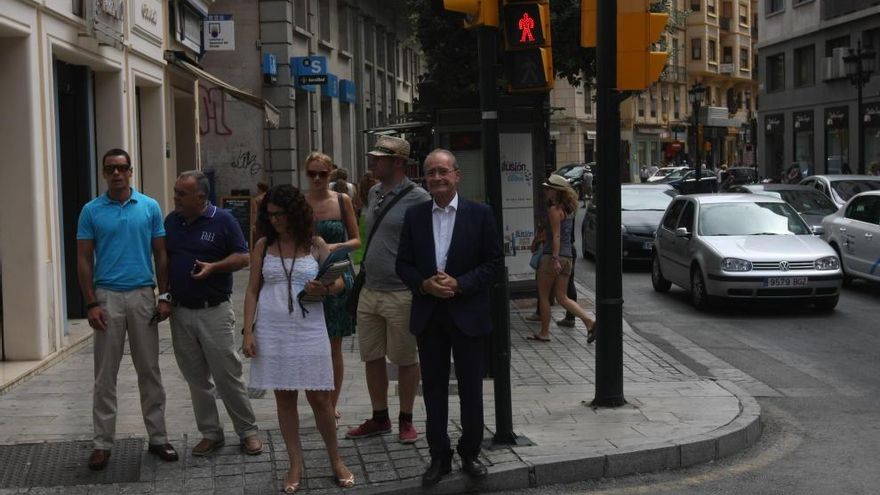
(64,464)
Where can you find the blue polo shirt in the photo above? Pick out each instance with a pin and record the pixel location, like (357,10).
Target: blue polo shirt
(123,234)
(213,236)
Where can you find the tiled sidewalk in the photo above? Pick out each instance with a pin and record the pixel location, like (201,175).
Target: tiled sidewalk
(669,407)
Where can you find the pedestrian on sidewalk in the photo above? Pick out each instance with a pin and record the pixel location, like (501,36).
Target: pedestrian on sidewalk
(339,182)
(360,200)
(555,267)
(285,337)
(205,245)
(119,235)
(383,312)
(336,224)
(450,307)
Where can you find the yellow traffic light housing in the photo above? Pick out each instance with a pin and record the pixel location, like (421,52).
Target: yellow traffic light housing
(588,23)
(528,60)
(638,66)
(478,12)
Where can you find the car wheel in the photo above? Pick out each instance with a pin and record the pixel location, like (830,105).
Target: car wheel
(699,294)
(827,304)
(657,279)
(847,280)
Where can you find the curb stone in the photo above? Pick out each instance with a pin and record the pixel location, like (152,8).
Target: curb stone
(730,439)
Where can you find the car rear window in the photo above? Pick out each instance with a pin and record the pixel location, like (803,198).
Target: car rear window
(809,202)
(846,189)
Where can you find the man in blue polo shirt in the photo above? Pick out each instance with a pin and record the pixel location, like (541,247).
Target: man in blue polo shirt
(205,245)
(118,237)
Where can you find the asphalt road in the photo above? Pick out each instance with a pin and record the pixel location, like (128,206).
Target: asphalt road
(815,375)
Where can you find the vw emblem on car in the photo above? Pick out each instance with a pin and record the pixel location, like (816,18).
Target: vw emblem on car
(783,265)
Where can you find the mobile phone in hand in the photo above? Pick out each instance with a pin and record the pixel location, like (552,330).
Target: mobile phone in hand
(155,319)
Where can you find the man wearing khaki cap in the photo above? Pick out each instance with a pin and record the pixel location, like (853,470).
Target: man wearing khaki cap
(384,305)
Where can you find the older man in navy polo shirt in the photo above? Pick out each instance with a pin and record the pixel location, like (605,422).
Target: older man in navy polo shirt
(205,245)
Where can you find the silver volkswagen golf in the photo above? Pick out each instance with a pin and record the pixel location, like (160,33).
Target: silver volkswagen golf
(743,246)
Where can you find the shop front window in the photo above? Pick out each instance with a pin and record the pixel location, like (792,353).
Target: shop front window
(837,141)
(804,141)
(871,113)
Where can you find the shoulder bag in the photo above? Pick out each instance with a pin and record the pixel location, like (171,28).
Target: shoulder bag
(351,304)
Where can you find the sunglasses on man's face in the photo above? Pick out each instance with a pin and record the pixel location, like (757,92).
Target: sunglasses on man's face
(316,173)
(109,169)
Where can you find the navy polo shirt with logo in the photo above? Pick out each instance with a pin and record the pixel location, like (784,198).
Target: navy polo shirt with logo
(213,236)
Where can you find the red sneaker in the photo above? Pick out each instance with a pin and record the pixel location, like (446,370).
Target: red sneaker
(408,433)
(369,428)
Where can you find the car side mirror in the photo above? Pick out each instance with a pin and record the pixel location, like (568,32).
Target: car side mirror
(818,230)
(682,232)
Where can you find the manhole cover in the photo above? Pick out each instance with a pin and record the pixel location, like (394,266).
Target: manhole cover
(64,464)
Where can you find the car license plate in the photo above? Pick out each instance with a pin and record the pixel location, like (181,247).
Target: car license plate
(786,282)
(648,246)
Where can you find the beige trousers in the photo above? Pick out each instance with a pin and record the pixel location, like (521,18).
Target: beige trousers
(206,352)
(128,313)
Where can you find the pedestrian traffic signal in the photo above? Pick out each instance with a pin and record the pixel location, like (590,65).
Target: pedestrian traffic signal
(588,23)
(638,66)
(528,61)
(477,12)
(526,25)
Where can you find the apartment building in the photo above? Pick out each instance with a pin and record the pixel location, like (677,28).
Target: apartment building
(810,114)
(711,42)
(372,71)
(721,38)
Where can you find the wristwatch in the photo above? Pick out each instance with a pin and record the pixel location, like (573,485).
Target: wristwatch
(165,297)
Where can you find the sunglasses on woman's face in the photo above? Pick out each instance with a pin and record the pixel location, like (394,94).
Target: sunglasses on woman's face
(317,173)
(276,214)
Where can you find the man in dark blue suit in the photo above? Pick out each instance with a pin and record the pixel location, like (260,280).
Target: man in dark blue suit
(449,256)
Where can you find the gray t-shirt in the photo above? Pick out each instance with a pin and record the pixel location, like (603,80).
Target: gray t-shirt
(382,249)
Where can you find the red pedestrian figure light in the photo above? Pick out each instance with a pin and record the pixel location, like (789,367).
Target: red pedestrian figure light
(526,24)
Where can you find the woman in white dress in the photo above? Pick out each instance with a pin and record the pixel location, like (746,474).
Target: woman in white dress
(286,339)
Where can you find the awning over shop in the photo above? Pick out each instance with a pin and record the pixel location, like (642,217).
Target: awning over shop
(401,128)
(271,113)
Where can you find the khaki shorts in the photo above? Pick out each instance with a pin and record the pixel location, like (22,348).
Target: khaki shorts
(546,265)
(383,327)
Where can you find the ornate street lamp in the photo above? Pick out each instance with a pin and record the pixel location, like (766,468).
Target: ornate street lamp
(859,67)
(696,96)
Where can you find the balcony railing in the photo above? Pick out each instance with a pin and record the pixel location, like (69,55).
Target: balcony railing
(677,74)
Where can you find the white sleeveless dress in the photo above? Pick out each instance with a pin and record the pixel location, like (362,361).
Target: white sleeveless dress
(293,351)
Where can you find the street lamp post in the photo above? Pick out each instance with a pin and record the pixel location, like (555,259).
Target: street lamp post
(859,67)
(696,95)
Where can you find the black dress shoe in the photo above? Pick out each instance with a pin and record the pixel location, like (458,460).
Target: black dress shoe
(99,459)
(436,471)
(473,467)
(165,452)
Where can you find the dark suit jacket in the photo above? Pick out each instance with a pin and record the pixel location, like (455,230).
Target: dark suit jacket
(474,259)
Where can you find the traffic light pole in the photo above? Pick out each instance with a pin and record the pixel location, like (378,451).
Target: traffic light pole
(488,49)
(609,281)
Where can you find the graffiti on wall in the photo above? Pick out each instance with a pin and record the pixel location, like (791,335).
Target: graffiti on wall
(213,112)
(246,161)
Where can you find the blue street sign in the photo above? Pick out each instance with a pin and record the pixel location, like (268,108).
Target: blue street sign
(331,89)
(270,68)
(309,70)
(347,91)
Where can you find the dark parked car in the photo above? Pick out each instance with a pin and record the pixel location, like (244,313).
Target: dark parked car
(574,174)
(685,181)
(642,207)
(811,204)
(736,176)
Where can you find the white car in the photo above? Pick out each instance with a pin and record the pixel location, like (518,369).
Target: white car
(743,246)
(840,188)
(854,233)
